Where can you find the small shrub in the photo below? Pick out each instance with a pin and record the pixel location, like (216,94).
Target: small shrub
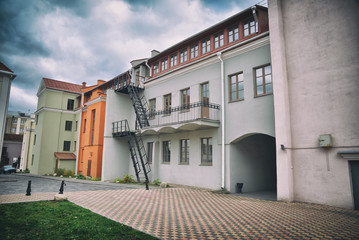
(80,176)
(69,173)
(60,171)
(27,170)
(128,178)
(95,179)
(156,182)
(117,180)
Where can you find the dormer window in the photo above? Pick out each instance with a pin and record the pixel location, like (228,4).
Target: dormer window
(173,60)
(194,51)
(183,56)
(164,64)
(155,68)
(233,34)
(249,27)
(206,46)
(218,40)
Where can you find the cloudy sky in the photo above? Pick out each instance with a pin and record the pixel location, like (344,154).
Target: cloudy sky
(87,40)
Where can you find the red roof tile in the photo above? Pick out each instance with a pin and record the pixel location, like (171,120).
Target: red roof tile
(5,68)
(64,86)
(65,156)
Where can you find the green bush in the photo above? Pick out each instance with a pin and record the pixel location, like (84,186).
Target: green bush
(80,176)
(128,178)
(95,179)
(69,173)
(60,171)
(156,182)
(117,180)
(27,170)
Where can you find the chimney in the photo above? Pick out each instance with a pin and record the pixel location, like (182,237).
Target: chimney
(154,53)
(83,84)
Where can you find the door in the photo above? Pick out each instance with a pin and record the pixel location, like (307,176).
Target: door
(354,167)
(205,100)
(89,168)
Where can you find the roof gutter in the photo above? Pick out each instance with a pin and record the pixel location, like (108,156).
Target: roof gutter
(12,75)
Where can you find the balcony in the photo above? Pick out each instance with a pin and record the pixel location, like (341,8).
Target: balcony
(193,116)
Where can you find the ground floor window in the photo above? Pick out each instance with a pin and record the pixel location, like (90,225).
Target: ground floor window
(206,151)
(184,151)
(149,151)
(166,151)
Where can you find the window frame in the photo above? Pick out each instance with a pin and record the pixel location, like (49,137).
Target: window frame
(185,99)
(184,55)
(249,22)
(233,32)
(149,152)
(164,64)
(166,152)
(155,68)
(68,125)
(202,93)
(219,39)
(206,45)
(152,108)
(70,104)
(67,146)
(209,152)
(173,60)
(184,148)
(265,93)
(237,90)
(195,52)
(167,104)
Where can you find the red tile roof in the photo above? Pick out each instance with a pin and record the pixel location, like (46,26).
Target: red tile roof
(5,68)
(64,86)
(65,156)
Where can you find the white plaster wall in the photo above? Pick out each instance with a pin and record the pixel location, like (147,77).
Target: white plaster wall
(193,174)
(320,47)
(116,156)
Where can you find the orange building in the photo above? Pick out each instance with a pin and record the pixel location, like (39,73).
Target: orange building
(93,104)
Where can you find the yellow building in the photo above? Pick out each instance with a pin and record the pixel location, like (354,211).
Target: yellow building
(27,143)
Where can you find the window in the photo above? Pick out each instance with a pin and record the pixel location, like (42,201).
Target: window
(236,87)
(219,40)
(85,125)
(185,98)
(76,123)
(263,80)
(149,151)
(173,60)
(75,146)
(206,151)
(34,139)
(22,121)
(167,104)
(184,151)
(32,159)
(93,126)
(249,27)
(233,34)
(13,129)
(36,119)
(68,126)
(14,120)
(155,68)
(183,56)
(205,93)
(166,145)
(67,145)
(70,104)
(194,51)
(164,64)
(21,130)
(206,46)
(152,108)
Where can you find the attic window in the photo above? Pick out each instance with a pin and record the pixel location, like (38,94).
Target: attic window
(249,27)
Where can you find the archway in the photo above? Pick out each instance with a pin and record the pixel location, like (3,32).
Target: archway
(253,163)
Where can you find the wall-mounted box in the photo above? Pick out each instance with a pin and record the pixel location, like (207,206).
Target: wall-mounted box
(325,140)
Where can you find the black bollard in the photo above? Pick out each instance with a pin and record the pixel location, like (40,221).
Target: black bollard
(28,190)
(62,187)
(147,185)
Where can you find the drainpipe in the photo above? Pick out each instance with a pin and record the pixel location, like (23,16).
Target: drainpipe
(146,63)
(79,132)
(255,16)
(219,55)
(28,145)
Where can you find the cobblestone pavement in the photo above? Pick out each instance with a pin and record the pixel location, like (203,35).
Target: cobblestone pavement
(184,213)
(187,213)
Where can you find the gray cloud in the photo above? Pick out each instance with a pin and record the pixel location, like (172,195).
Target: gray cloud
(82,40)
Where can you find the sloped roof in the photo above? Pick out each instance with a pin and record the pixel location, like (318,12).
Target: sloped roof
(63,86)
(65,156)
(3,67)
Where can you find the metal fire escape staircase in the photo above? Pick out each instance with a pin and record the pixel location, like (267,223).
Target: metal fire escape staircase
(134,138)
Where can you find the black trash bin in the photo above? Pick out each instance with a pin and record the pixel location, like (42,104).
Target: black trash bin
(239,187)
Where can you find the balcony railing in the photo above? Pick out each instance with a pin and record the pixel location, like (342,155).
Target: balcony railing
(186,113)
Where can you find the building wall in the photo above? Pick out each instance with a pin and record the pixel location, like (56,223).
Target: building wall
(315,67)
(5,85)
(27,143)
(50,130)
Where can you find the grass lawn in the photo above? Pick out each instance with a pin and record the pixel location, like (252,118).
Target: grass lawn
(59,220)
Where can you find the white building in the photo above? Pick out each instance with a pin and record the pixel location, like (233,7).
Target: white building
(6,77)
(315,60)
(210,109)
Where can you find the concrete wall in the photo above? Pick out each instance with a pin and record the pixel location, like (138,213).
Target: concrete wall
(315,67)
(116,156)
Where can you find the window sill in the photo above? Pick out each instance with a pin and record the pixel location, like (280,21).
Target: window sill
(206,164)
(183,163)
(262,95)
(167,163)
(236,100)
